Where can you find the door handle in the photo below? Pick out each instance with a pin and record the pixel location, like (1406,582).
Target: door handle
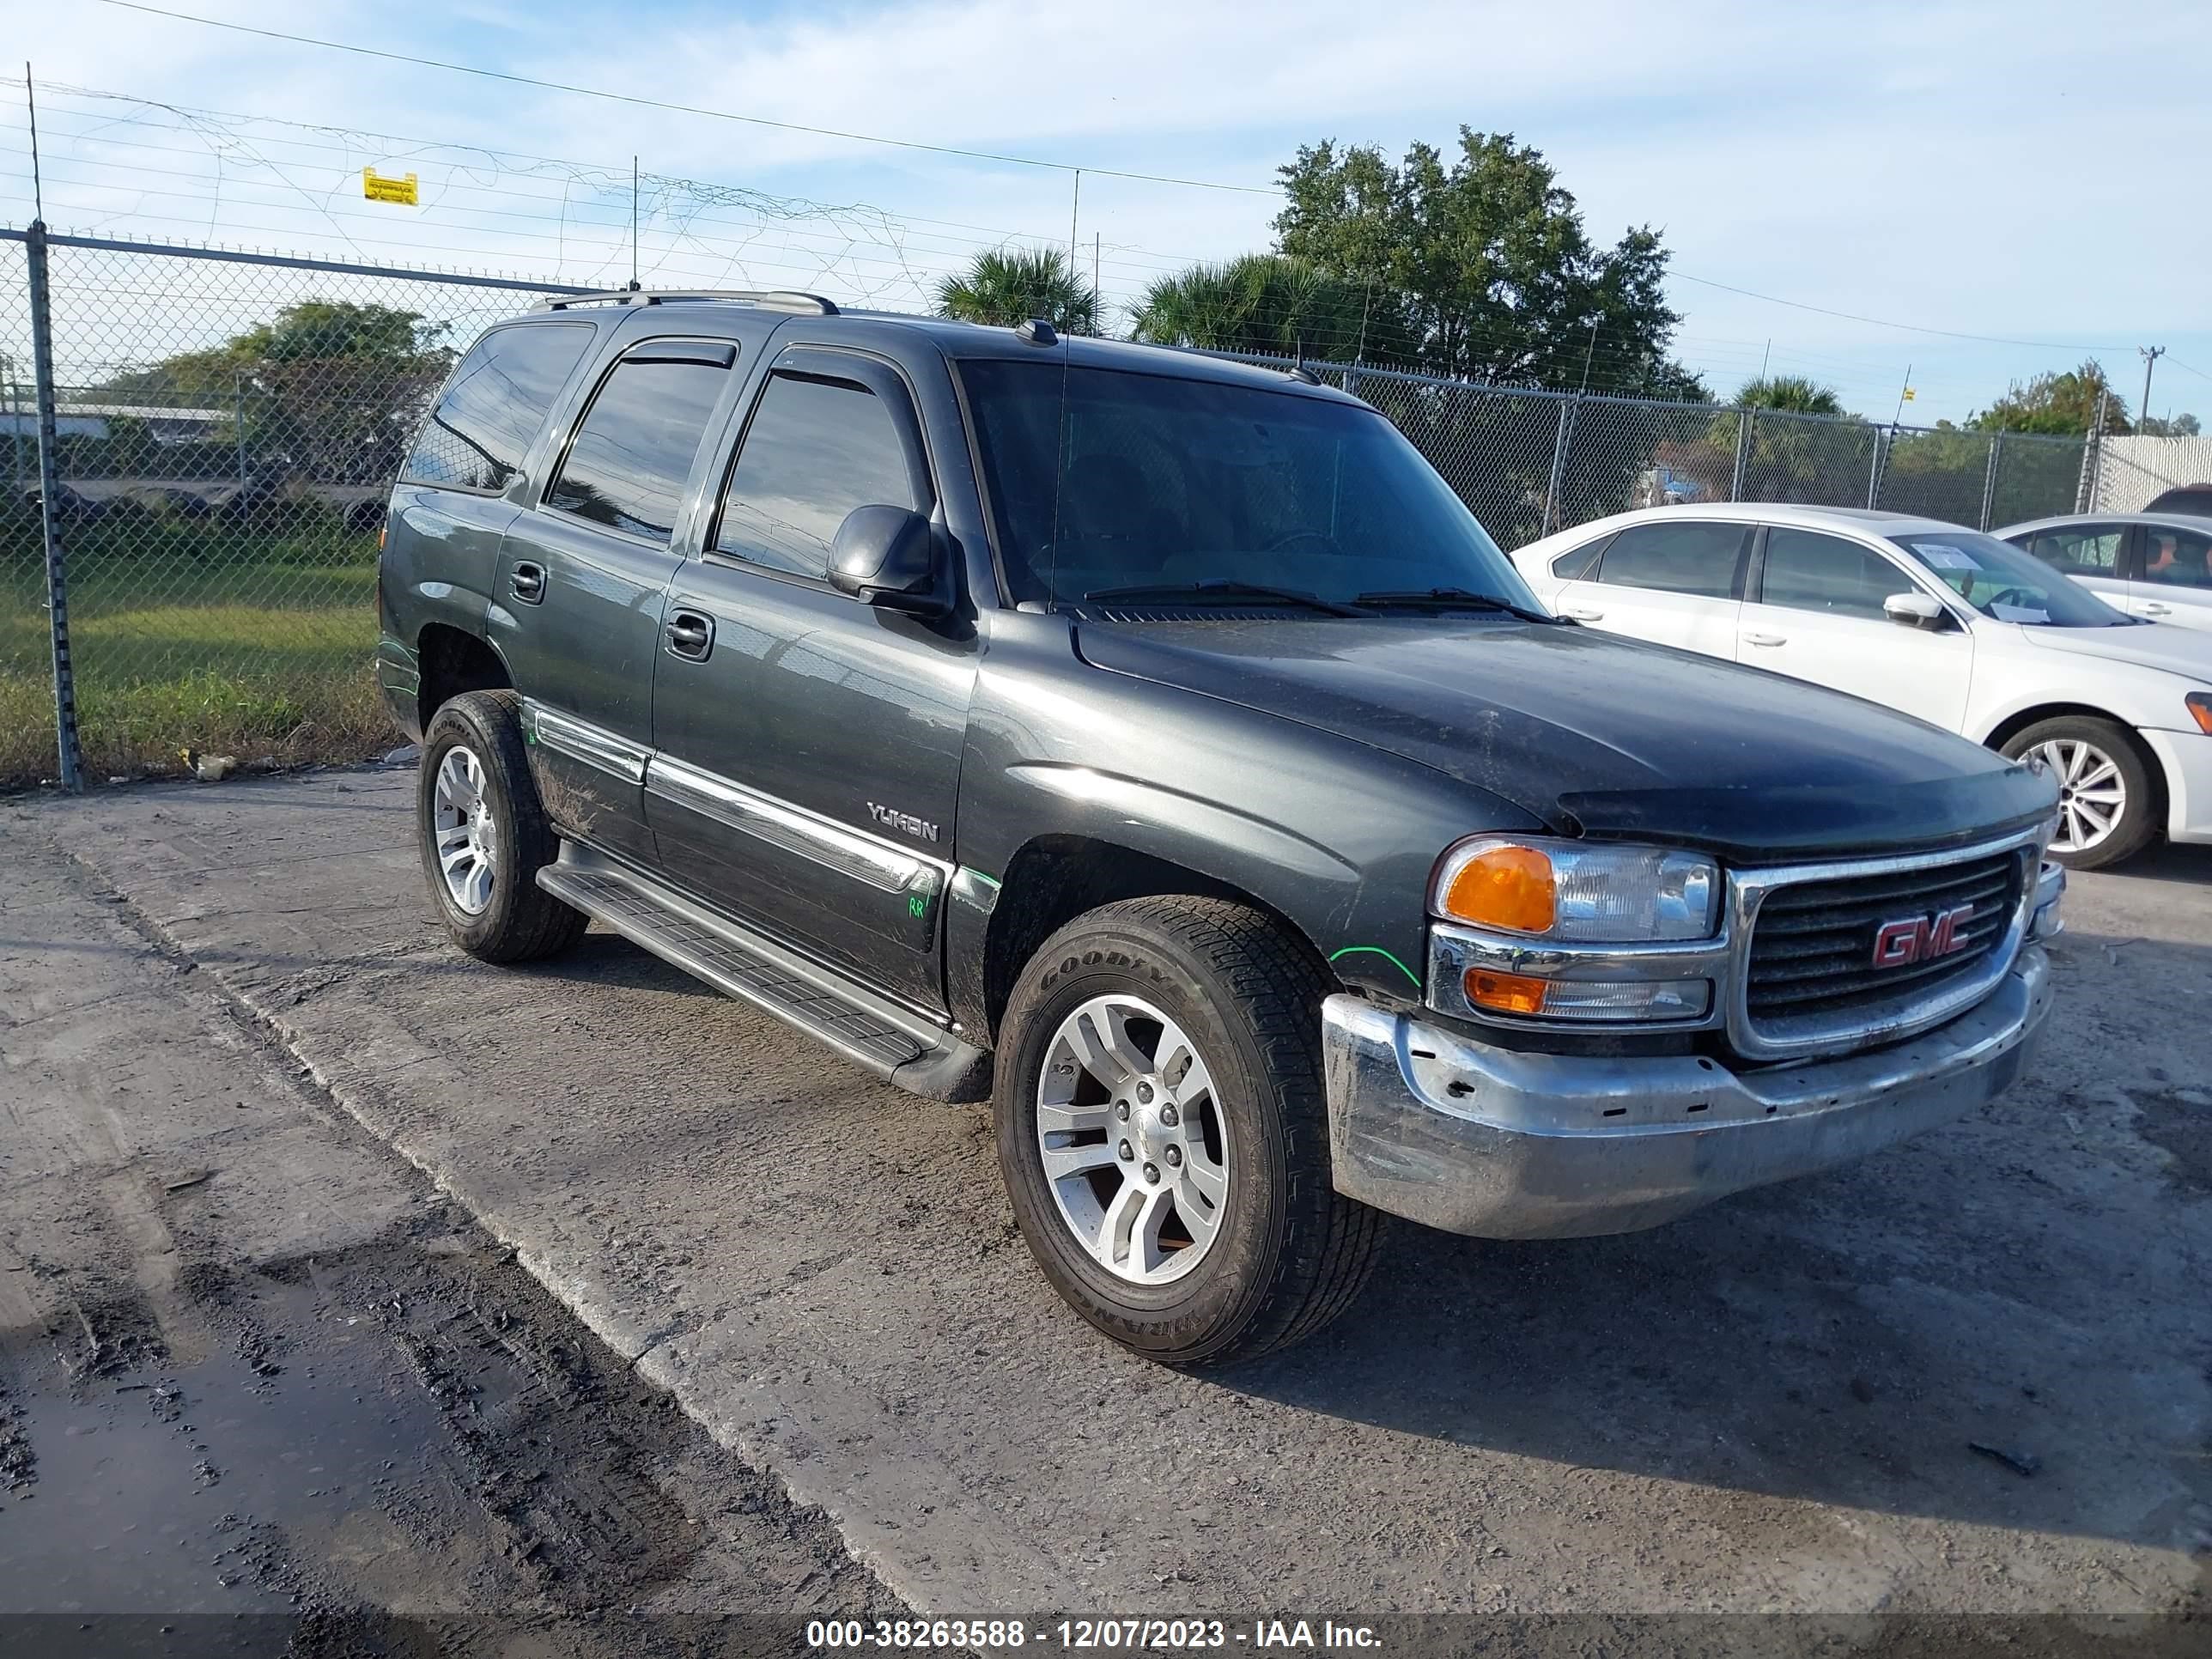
(526,581)
(1766,639)
(691,636)
(1585,613)
(2157,607)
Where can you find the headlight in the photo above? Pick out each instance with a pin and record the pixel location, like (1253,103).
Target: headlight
(1577,893)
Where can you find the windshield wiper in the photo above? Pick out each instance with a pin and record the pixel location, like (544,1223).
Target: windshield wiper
(1223,587)
(1454,599)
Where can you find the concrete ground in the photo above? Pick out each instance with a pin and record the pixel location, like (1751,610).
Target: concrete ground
(1775,1405)
(264,1389)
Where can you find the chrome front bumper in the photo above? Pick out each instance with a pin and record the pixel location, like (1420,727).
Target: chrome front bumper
(1430,1123)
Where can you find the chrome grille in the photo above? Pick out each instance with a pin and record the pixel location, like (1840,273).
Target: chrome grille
(1811,961)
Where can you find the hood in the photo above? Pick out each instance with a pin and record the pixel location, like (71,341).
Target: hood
(1602,736)
(2178,650)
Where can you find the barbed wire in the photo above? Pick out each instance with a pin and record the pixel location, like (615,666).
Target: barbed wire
(224,175)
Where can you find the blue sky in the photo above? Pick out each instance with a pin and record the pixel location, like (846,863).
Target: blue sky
(2020,169)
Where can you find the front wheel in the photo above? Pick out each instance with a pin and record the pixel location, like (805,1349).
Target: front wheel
(2107,800)
(1164,1133)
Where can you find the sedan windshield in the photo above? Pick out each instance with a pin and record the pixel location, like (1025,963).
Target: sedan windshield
(2005,584)
(1197,491)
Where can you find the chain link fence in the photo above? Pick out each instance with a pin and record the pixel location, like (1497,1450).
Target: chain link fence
(226,427)
(225,431)
(2131,472)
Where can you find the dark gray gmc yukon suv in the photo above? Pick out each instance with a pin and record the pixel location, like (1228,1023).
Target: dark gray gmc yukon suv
(1158,746)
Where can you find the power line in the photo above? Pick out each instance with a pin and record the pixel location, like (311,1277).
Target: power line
(682,109)
(498,157)
(1848,316)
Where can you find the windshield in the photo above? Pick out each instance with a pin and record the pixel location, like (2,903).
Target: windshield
(2005,584)
(1168,482)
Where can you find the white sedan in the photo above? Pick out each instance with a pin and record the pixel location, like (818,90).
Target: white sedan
(1953,626)
(2157,565)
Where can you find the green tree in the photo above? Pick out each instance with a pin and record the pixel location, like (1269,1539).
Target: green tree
(332,387)
(1004,287)
(1791,392)
(2180,425)
(1498,280)
(1267,302)
(2062,405)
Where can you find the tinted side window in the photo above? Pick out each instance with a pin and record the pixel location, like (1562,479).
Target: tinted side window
(632,454)
(1676,558)
(2083,551)
(1807,571)
(476,436)
(1578,562)
(2177,558)
(816,449)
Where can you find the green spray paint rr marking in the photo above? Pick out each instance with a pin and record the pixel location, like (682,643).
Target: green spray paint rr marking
(1378,950)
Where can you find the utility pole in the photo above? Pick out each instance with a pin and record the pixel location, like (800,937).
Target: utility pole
(2150,357)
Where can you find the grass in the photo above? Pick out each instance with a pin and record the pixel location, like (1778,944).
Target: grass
(244,641)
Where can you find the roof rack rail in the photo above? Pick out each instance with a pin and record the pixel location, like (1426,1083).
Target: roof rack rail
(767,299)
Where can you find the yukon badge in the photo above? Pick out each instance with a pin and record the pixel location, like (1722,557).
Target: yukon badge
(892,819)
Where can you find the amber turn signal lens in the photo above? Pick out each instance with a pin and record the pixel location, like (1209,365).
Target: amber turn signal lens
(1509,993)
(2200,707)
(1505,886)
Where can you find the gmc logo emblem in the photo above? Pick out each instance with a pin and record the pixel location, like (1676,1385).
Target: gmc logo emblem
(1921,938)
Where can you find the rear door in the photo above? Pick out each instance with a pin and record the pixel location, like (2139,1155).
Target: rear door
(1673,581)
(2095,554)
(2172,580)
(808,745)
(1816,614)
(583,576)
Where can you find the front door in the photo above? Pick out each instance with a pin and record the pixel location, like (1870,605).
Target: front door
(807,745)
(2094,554)
(581,580)
(2172,580)
(1676,581)
(1817,615)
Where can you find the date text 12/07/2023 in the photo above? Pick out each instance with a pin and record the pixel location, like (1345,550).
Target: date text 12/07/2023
(1091,1635)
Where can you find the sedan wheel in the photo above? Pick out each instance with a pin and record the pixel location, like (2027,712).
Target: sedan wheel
(2109,801)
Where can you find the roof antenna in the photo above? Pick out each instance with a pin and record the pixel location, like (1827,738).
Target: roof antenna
(633,224)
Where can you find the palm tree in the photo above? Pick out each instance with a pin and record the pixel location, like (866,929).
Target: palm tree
(1792,392)
(1271,303)
(1004,287)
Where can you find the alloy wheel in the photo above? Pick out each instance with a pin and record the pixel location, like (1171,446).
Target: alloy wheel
(1135,1146)
(467,836)
(2092,796)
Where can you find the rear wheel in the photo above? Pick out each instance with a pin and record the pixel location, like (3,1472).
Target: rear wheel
(1164,1133)
(484,834)
(2107,797)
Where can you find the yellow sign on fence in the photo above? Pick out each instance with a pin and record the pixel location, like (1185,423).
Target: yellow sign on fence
(378,188)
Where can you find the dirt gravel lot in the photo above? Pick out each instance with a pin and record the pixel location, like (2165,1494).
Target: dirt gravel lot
(1772,1405)
(260,1378)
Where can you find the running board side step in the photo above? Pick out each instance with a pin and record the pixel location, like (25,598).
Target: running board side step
(893,1042)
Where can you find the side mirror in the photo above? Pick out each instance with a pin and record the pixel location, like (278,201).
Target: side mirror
(1915,610)
(886,556)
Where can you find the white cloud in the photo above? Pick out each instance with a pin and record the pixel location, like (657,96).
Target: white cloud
(2006,169)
